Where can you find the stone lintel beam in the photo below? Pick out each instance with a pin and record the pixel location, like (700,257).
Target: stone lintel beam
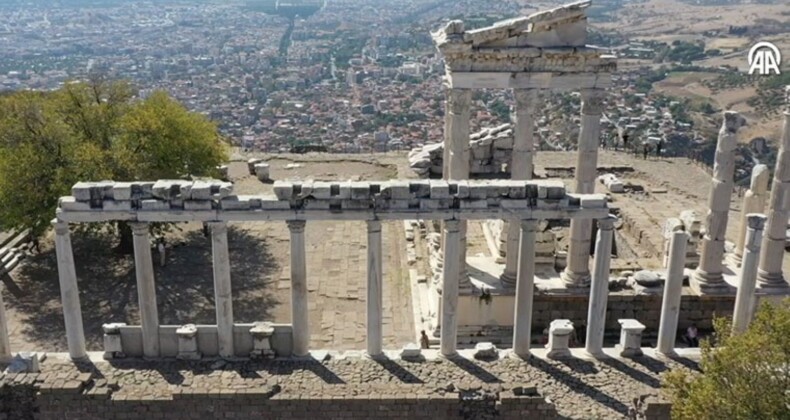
(555,81)
(391,200)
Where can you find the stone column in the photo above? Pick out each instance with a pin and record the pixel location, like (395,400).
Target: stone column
(770,279)
(599,290)
(69,292)
(521,168)
(375,273)
(708,279)
(753,202)
(299,309)
(450,280)
(456,145)
(744,300)
(146,289)
(223,299)
(577,271)
(525,289)
(5,344)
(673,287)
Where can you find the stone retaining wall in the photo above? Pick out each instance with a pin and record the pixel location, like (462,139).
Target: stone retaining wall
(74,400)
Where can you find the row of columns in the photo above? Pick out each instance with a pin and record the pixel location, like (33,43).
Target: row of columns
(146,287)
(770,278)
(456,167)
(744,308)
(708,278)
(146,290)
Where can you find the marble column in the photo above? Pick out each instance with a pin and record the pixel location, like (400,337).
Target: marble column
(525,288)
(708,279)
(5,344)
(673,288)
(223,299)
(450,279)
(577,271)
(146,289)
(521,168)
(456,145)
(599,288)
(375,272)
(770,279)
(745,301)
(69,292)
(753,202)
(299,308)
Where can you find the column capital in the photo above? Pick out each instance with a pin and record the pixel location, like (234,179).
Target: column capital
(530,225)
(139,228)
(756,221)
(525,97)
(374,225)
(61,228)
(452,225)
(458,100)
(218,228)
(607,223)
(592,101)
(296,226)
(732,122)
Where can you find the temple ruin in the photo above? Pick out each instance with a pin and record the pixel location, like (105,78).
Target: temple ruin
(481,314)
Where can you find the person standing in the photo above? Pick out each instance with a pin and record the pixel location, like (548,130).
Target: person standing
(160,246)
(424,341)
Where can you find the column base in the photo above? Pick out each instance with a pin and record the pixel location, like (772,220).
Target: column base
(464,282)
(573,280)
(735,259)
(704,283)
(508,280)
(771,284)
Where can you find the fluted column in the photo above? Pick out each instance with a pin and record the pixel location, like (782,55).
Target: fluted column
(374,339)
(599,288)
(745,300)
(450,279)
(69,292)
(753,202)
(146,289)
(5,344)
(521,168)
(577,270)
(673,288)
(708,278)
(456,144)
(222,287)
(770,279)
(525,288)
(299,308)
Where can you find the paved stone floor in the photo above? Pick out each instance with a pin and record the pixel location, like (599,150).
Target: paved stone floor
(578,388)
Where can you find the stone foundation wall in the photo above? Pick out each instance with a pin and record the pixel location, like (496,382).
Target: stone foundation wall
(699,310)
(21,402)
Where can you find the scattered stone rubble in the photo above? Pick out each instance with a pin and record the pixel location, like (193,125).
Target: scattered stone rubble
(612,183)
(690,222)
(489,153)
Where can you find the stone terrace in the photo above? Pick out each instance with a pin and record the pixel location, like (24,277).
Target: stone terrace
(345,386)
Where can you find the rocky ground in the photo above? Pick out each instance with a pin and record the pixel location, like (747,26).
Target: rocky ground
(577,388)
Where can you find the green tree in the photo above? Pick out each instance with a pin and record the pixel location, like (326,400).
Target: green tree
(746,376)
(94,131)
